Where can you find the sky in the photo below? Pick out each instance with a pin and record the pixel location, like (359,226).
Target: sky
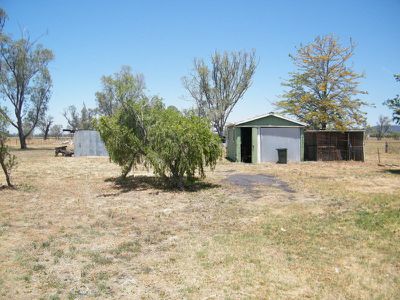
(160,39)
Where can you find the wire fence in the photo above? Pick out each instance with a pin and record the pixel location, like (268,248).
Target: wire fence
(39,141)
(390,146)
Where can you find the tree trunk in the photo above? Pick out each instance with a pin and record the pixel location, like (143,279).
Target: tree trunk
(126,169)
(178,182)
(3,154)
(177,179)
(22,138)
(8,180)
(46,132)
(220,130)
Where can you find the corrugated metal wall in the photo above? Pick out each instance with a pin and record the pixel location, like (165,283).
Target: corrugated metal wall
(88,143)
(254,142)
(274,138)
(231,143)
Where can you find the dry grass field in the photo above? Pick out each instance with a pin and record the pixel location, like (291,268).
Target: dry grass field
(325,230)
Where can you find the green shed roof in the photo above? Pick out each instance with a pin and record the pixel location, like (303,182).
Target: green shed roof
(269,120)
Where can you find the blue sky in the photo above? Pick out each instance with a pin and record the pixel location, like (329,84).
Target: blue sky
(161,38)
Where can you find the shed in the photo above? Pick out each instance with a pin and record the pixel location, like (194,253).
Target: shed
(88,143)
(334,145)
(257,139)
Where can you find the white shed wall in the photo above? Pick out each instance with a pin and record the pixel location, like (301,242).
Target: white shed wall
(88,143)
(274,138)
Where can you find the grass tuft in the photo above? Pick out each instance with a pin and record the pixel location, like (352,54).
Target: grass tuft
(100,259)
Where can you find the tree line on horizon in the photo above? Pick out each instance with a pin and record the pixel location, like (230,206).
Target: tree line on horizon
(323,92)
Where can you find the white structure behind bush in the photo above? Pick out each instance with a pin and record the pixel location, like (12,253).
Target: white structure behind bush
(88,143)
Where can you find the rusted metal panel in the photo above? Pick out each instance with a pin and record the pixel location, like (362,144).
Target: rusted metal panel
(334,145)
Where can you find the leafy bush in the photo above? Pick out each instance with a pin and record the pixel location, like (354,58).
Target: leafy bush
(8,161)
(124,135)
(121,142)
(179,146)
(176,146)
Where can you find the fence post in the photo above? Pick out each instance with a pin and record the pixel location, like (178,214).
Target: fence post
(379,157)
(386,147)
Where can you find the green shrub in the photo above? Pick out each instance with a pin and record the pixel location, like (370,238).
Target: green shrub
(123,145)
(179,146)
(8,161)
(176,146)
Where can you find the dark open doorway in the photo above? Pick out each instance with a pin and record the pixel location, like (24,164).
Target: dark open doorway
(245,148)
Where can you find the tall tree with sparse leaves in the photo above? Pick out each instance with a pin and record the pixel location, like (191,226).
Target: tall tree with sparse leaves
(45,124)
(216,89)
(394,104)
(79,120)
(324,91)
(56,131)
(3,18)
(382,127)
(25,82)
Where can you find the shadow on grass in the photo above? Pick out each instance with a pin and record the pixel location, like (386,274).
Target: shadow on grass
(6,187)
(17,149)
(142,183)
(19,187)
(391,171)
(229,159)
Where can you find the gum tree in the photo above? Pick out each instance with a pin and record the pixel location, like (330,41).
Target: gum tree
(79,120)
(324,91)
(217,88)
(382,127)
(25,83)
(45,125)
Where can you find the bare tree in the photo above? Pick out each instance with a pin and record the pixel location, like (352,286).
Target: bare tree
(79,120)
(382,127)
(394,103)
(72,116)
(3,18)
(44,125)
(217,89)
(25,83)
(56,131)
